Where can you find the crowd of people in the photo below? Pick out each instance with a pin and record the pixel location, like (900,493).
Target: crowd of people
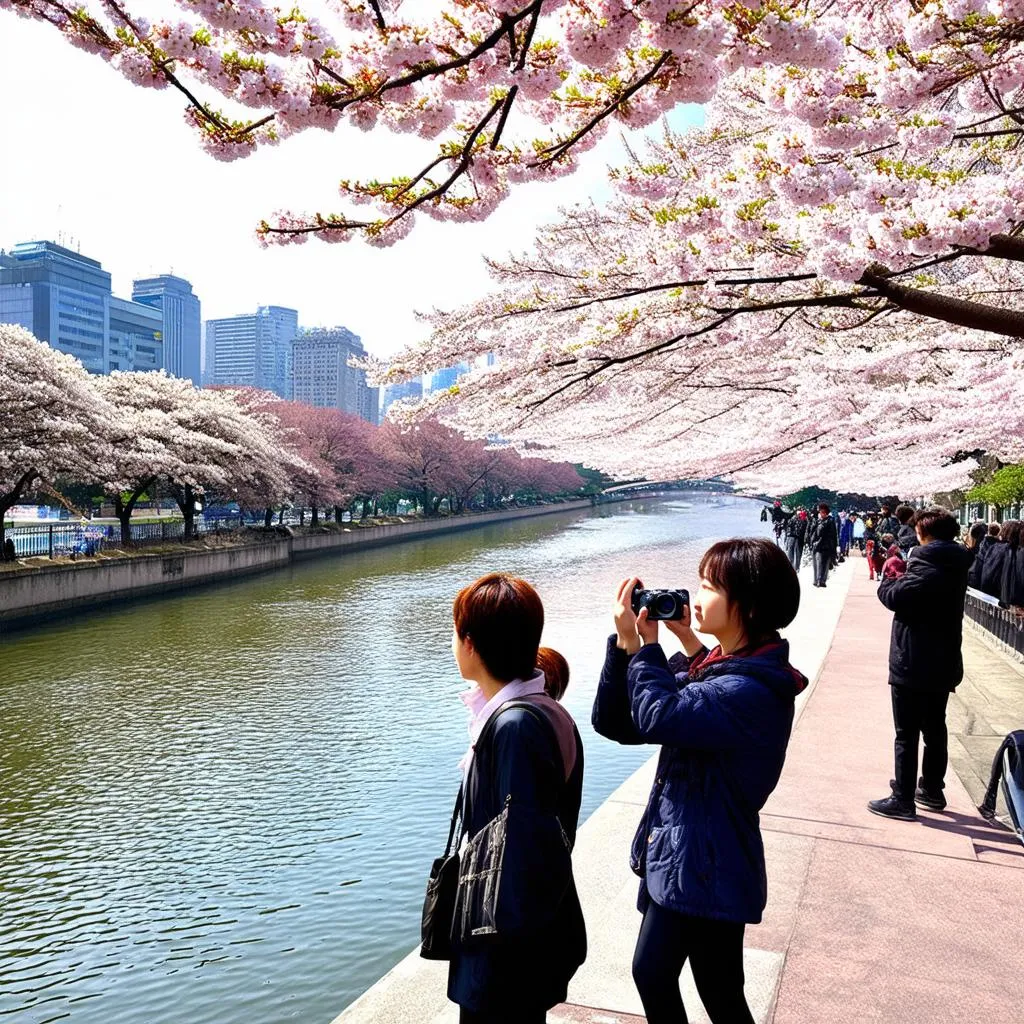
(997,566)
(826,539)
(502,904)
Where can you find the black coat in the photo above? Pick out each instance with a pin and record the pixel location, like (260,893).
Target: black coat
(522,758)
(981,552)
(927,627)
(996,559)
(822,536)
(906,539)
(1011,591)
(797,529)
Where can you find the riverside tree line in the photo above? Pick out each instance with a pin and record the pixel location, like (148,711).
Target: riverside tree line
(130,432)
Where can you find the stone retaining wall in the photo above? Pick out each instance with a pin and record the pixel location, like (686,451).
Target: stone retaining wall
(35,594)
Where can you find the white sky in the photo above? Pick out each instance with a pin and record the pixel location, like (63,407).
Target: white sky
(90,157)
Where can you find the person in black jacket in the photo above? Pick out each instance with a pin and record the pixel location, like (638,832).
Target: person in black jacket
(987,538)
(996,559)
(925,660)
(1011,586)
(796,535)
(906,535)
(823,540)
(530,760)
(887,522)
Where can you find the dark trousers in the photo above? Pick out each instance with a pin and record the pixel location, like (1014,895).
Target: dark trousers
(822,561)
(715,952)
(794,551)
(919,714)
(471,1017)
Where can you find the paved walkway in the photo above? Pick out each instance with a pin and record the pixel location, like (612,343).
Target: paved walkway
(868,920)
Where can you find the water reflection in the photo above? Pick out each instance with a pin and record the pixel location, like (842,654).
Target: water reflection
(220,807)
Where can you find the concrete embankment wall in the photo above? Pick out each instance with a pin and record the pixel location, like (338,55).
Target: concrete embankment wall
(39,593)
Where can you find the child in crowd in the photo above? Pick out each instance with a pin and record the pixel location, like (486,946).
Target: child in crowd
(895,566)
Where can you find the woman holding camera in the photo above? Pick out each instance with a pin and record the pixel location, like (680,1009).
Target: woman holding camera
(723,720)
(524,765)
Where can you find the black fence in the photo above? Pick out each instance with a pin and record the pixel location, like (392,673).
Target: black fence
(63,539)
(1003,623)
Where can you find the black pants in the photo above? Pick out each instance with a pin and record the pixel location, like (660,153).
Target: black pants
(822,562)
(715,951)
(919,714)
(471,1017)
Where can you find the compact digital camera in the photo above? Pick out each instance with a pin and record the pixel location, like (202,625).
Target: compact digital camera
(661,605)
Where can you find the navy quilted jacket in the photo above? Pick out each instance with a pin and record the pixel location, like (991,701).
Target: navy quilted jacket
(723,725)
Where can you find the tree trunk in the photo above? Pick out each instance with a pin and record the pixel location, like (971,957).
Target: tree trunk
(314,516)
(950,310)
(268,518)
(280,517)
(12,497)
(186,499)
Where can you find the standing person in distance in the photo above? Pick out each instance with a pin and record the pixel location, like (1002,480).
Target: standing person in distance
(925,661)
(846,534)
(906,536)
(796,535)
(997,558)
(887,522)
(723,720)
(858,531)
(823,541)
(977,543)
(533,760)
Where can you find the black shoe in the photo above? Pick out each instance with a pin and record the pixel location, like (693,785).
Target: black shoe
(933,801)
(890,807)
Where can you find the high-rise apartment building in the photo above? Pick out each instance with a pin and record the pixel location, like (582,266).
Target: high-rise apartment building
(65,299)
(135,334)
(253,350)
(180,310)
(323,376)
(407,391)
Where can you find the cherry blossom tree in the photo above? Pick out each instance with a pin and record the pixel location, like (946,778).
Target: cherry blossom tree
(53,421)
(194,440)
(514,90)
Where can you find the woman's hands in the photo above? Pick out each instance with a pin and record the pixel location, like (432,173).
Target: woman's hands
(625,620)
(635,630)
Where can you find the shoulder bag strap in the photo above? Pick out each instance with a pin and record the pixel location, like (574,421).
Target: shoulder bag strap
(456,816)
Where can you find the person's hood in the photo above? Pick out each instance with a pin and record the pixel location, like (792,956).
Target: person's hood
(769,664)
(943,554)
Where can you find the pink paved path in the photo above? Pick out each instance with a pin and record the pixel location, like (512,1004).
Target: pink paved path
(882,920)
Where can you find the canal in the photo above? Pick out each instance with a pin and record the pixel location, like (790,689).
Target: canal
(220,807)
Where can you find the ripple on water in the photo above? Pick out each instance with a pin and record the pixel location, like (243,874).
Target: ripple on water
(220,807)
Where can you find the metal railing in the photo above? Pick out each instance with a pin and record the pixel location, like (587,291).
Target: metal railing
(61,540)
(1005,624)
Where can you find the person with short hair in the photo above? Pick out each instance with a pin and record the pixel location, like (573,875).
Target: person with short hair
(979,544)
(994,528)
(723,720)
(532,759)
(906,535)
(823,540)
(887,522)
(925,661)
(998,557)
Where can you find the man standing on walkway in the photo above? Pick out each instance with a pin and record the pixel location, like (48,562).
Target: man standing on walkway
(925,662)
(823,539)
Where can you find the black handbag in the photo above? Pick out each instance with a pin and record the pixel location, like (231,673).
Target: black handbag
(514,873)
(439,903)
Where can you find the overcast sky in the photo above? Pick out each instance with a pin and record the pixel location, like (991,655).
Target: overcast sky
(112,169)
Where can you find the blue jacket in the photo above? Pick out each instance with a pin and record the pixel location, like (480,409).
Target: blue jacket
(846,532)
(724,726)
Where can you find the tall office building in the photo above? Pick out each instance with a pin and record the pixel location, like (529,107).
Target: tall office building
(64,299)
(180,310)
(135,335)
(407,391)
(253,350)
(441,380)
(323,376)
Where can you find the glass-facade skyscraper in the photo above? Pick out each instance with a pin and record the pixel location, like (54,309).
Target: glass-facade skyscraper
(442,380)
(408,391)
(253,350)
(182,322)
(64,299)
